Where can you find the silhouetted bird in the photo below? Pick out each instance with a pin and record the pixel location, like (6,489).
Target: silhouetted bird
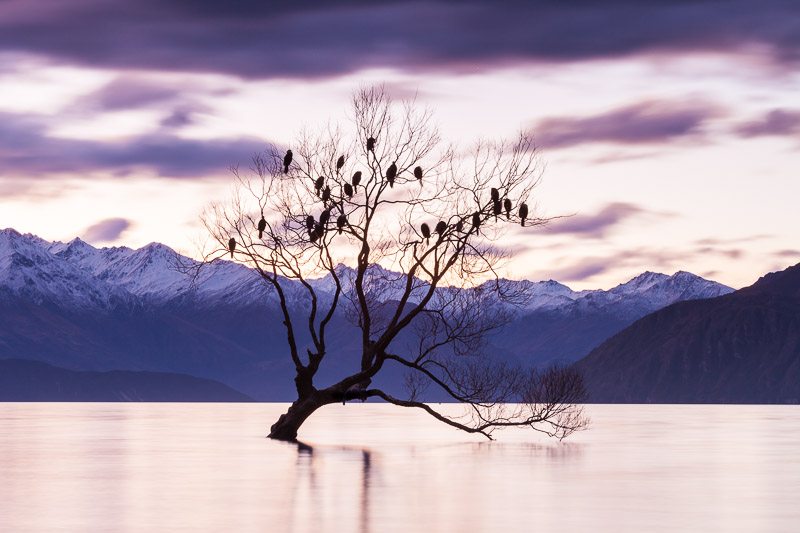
(497,208)
(356,179)
(426,232)
(507,205)
(340,222)
(309,222)
(391,174)
(287,160)
(348,190)
(262,225)
(476,220)
(319,183)
(339,163)
(371,144)
(418,174)
(312,235)
(495,195)
(460,226)
(232,246)
(326,194)
(523,213)
(324,217)
(441,227)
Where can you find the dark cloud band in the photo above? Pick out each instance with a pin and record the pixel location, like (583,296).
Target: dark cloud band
(257,39)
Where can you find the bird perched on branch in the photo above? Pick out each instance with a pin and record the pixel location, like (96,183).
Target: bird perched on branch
(287,160)
(326,194)
(441,227)
(232,246)
(339,163)
(507,205)
(319,183)
(476,220)
(340,222)
(348,190)
(371,144)
(262,225)
(523,213)
(324,217)
(495,195)
(309,222)
(497,208)
(356,179)
(418,174)
(426,232)
(391,173)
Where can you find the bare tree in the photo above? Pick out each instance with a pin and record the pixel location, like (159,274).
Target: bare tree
(418,222)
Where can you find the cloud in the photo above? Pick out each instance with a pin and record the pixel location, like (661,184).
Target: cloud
(256,39)
(644,122)
(130,93)
(27,149)
(776,122)
(108,230)
(594,226)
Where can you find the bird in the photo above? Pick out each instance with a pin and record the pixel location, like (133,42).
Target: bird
(326,194)
(309,222)
(340,222)
(497,208)
(287,160)
(495,195)
(391,173)
(262,225)
(476,220)
(460,226)
(324,217)
(441,227)
(507,205)
(319,183)
(356,179)
(426,232)
(312,235)
(232,246)
(418,174)
(523,213)
(339,163)
(371,144)
(348,190)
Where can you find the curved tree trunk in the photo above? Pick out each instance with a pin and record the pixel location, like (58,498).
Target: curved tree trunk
(287,425)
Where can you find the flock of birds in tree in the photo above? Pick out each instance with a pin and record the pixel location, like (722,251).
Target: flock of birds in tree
(316,229)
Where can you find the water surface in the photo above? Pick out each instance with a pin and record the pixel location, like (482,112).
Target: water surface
(378,468)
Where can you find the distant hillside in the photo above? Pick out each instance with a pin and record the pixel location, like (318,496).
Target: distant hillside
(743,347)
(83,308)
(33,381)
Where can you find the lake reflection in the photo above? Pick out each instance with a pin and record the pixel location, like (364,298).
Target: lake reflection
(378,468)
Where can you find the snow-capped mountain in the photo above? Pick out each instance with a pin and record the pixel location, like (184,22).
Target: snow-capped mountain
(86,308)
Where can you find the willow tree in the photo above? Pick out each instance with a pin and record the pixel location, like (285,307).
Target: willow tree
(387,191)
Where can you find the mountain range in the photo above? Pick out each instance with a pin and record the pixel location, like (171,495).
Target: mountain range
(742,347)
(87,309)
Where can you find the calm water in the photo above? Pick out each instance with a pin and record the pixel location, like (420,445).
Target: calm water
(372,467)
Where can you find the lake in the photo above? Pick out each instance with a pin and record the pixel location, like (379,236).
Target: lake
(134,467)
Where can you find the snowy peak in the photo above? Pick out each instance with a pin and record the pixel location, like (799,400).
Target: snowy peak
(78,274)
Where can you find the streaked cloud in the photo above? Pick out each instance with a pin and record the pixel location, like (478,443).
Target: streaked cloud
(596,225)
(643,122)
(256,39)
(776,122)
(108,230)
(27,149)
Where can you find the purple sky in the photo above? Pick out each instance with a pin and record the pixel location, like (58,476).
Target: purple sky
(671,129)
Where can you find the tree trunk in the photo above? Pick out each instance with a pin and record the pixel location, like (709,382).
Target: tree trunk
(287,425)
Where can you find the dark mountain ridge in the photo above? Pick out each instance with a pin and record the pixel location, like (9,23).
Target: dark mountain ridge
(742,347)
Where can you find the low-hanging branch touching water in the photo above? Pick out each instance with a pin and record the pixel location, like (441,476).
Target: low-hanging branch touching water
(423,300)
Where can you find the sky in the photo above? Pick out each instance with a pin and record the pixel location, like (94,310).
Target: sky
(670,129)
